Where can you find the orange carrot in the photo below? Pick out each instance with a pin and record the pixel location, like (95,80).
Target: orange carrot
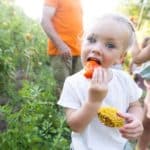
(89,68)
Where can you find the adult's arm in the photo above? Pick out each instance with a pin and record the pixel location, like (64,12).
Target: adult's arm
(48,27)
(142,56)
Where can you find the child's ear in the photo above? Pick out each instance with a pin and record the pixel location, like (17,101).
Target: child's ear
(121,59)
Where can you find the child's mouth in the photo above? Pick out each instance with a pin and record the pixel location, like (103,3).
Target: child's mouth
(94,59)
(89,67)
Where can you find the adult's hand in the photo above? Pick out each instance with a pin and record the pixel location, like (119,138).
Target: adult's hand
(65,51)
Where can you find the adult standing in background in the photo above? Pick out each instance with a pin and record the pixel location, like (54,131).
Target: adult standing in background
(62,22)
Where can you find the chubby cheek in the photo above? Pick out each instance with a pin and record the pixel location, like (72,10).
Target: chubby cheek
(108,61)
(84,54)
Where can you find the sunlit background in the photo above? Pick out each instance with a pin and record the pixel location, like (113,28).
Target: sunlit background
(27,86)
(92,8)
(32,8)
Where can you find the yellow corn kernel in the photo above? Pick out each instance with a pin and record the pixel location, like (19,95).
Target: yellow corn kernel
(108,116)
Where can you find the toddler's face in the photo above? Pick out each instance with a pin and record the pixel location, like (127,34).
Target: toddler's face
(105,42)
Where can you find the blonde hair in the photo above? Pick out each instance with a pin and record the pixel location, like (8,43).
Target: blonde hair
(122,19)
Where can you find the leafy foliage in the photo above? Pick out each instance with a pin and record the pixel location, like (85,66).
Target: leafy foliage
(139,13)
(34,121)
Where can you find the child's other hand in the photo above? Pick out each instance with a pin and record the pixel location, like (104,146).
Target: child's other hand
(99,85)
(133,127)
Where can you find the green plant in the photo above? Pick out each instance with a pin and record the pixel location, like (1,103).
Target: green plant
(34,121)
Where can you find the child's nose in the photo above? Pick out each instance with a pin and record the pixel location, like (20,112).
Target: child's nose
(97,51)
(98,48)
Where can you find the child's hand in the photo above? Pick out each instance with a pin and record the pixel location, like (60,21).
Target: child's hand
(133,127)
(99,85)
(89,68)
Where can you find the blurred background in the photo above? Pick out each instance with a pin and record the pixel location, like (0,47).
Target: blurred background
(137,10)
(29,116)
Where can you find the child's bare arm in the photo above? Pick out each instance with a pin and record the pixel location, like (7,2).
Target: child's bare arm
(79,119)
(133,127)
(135,108)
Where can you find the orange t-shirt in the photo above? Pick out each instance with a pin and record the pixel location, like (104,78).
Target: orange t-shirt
(68,24)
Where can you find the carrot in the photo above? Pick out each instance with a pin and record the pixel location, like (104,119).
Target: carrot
(89,68)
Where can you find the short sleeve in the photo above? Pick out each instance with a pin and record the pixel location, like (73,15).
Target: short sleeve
(68,97)
(134,92)
(51,3)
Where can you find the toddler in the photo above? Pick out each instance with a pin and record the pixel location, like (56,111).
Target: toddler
(104,42)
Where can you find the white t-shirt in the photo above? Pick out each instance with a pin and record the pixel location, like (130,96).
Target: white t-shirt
(122,90)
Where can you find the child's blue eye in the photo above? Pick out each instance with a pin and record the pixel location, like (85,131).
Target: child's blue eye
(91,39)
(110,45)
